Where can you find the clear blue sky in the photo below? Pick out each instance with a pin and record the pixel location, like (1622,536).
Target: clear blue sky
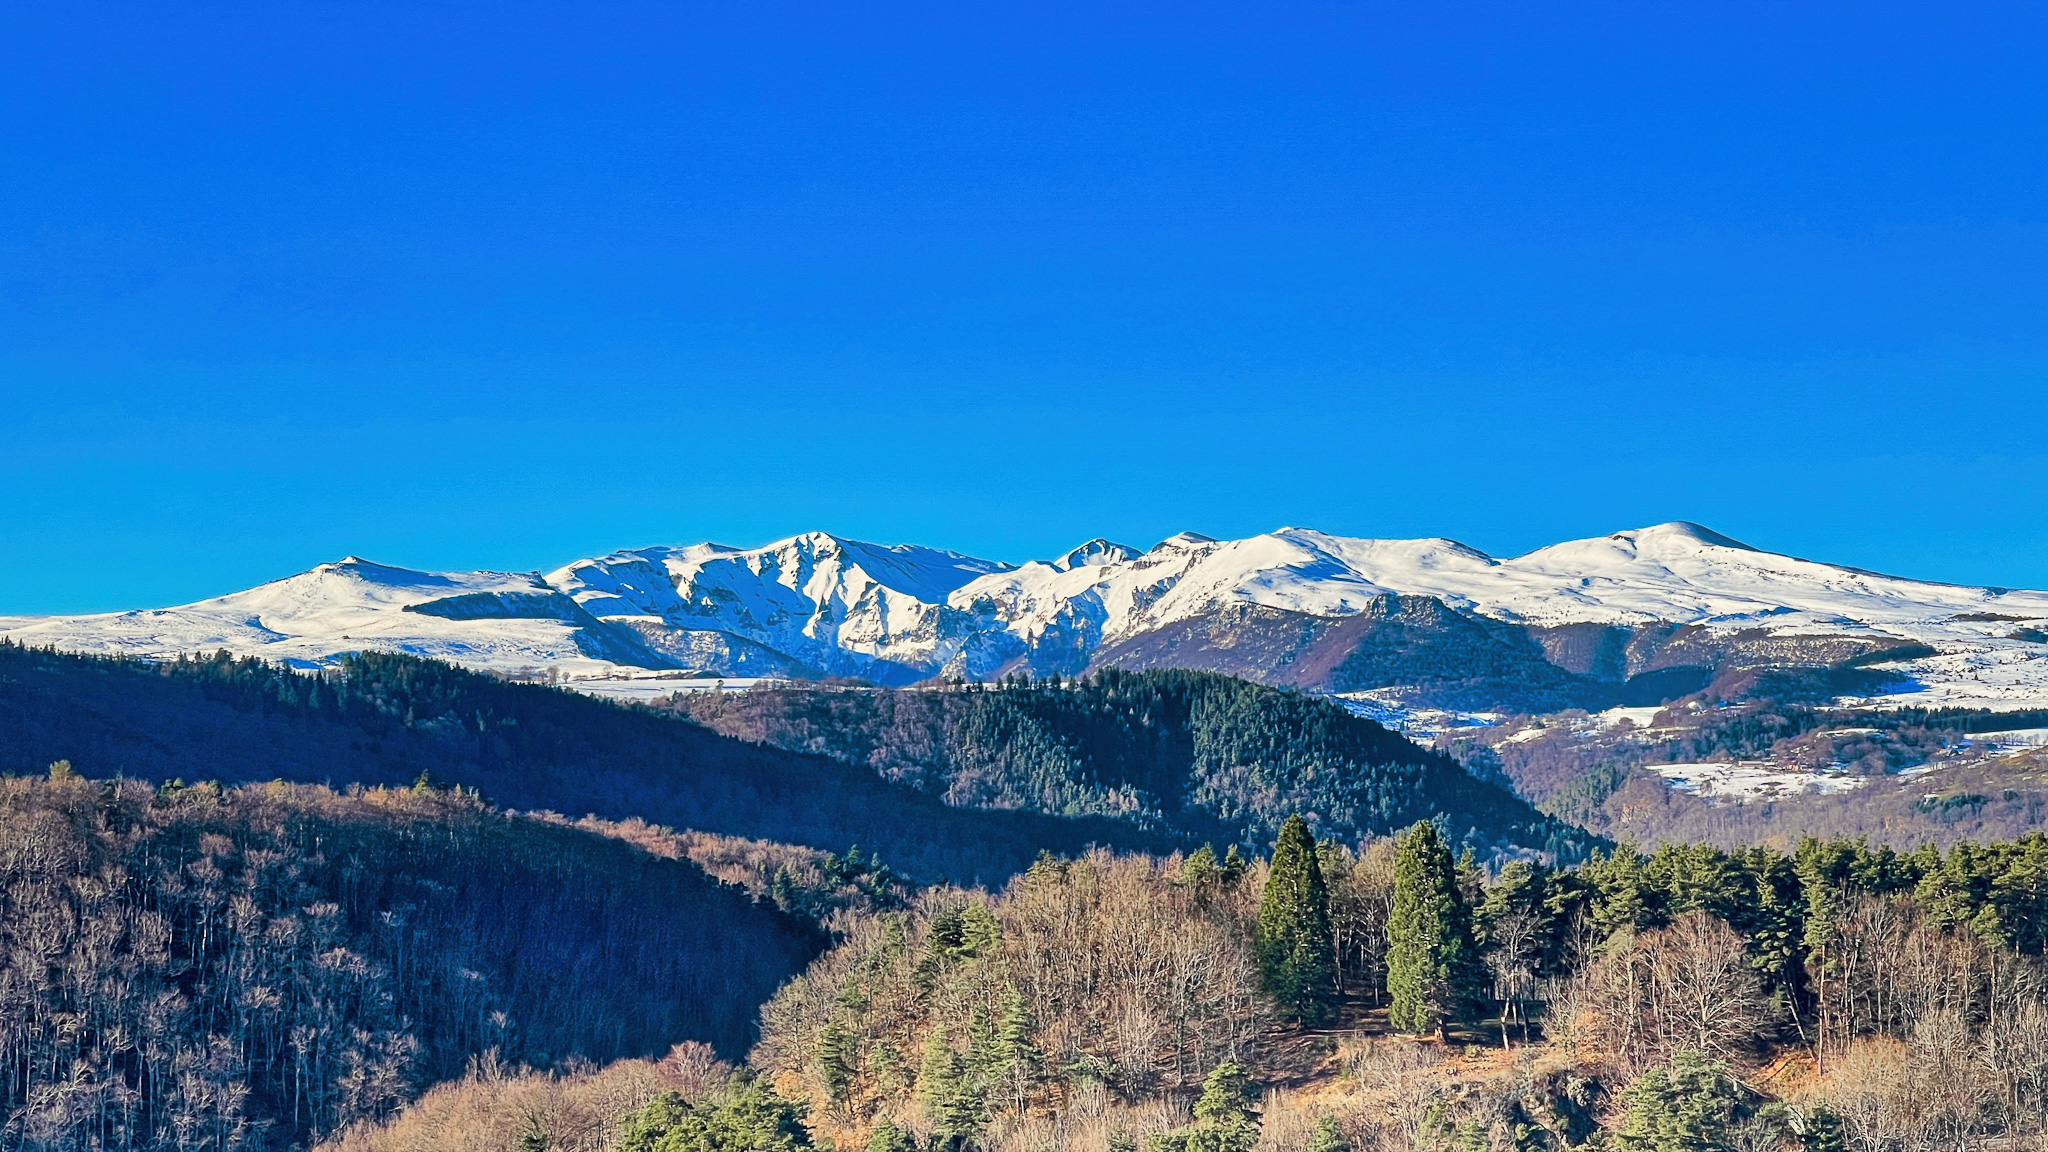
(504,284)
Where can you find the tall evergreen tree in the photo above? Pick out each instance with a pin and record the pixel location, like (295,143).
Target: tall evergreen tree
(835,1060)
(1226,1118)
(1297,953)
(953,1103)
(1019,1062)
(1432,962)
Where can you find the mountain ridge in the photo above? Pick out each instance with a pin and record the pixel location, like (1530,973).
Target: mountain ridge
(814,605)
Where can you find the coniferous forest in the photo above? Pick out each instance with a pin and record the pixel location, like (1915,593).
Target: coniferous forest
(414,908)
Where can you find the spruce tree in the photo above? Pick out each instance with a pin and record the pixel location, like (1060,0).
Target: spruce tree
(835,1060)
(1431,959)
(1297,953)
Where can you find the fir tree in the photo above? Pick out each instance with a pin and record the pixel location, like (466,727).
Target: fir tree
(1821,1130)
(887,1137)
(1234,866)
(1297,954)
(1327,1138)
(1431,959)
(783,891)
(750,1117)
(835,1060)
(952,1101)
(1020,1063)
(1688,1105)
(1225,1120)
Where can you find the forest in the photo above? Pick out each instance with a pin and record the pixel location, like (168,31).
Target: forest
(1215,758)
(1918,775)
(255,967)
(509,919)
(386,719)
(1390,997)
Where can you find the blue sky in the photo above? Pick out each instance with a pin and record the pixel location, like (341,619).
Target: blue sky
(501,285)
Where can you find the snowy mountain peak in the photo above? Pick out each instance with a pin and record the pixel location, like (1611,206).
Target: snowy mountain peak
(371,572)
(1681,533)
(1095,554)
(1181,541)
(818,604)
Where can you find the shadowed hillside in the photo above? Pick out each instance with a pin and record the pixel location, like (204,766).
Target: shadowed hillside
(382,719)
(199,967)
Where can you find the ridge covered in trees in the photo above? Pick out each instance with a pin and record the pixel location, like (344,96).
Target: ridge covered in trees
(386,719)
(1219,759)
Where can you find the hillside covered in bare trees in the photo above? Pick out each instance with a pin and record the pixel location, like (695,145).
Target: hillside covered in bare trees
(255,967)
(1689,1000)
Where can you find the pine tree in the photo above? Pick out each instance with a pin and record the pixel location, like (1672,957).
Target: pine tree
(1297,953)
(534,1138)
(1431,959)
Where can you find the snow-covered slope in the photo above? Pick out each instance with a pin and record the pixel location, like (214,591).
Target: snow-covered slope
(818,604)
(482,619)
(821,603)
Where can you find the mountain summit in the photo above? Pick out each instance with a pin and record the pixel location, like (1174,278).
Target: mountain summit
(1580,623)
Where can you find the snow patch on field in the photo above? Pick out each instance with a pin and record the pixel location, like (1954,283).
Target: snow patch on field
(1742,781)
(1613,718)
(653,689)
(1423,724)
(2017,739)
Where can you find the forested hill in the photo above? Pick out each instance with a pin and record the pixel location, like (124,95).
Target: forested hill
(383,719)
(1210,756)
(200,967)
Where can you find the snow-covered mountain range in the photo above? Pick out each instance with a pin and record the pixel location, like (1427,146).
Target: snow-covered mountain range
(1633,617)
